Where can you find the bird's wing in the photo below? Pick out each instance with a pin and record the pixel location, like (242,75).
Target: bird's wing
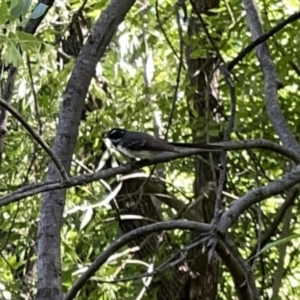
(134,145)
(141,141)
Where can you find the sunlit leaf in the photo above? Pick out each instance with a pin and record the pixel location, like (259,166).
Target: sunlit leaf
(25,37)
(17,10)
(26,6)
(17,57)
(86,218)
(3,12)
(277,243)
(14,3)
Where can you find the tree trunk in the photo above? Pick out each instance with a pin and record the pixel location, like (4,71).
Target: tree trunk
(204,101)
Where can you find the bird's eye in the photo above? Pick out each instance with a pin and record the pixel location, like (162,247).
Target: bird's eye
(116,133)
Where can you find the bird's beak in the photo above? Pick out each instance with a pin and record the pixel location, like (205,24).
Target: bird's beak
(104,135)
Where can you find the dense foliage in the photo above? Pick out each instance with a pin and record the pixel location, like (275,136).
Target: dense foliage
(141,83)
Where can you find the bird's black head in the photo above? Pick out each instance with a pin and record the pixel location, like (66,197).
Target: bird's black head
(115,134)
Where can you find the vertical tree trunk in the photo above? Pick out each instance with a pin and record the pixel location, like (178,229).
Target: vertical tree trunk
(203,107)
(49,239)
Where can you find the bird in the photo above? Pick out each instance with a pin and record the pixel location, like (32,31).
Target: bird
(135,144)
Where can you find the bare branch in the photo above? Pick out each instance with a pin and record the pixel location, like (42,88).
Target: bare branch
(175,259)
(37,138)
(7,95)
(272,82)
(179,71)
(256,195)
(205,29)
(223,159)
(35,98)
(234,267)
(243,265)
(124,239)
(38,188)
(264,37)
(261,144)
(290,198)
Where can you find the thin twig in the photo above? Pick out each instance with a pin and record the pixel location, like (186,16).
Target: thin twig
(175,259)
(208,35)
(264,37)
(282,255)
(37,138)
(230,127)
(222,178)
(12,222)
(36,106)
(159,21)
(180,65)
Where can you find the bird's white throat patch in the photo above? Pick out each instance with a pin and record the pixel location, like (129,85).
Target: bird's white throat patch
(115,141)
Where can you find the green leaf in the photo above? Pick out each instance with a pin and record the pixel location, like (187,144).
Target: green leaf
(13,3)
(12,55)
(25,37)
(198,53)
(17,10)
(277,243)
(26,5)
(48,47)
(27,41)
(39,11)
(3,12)
(87,218)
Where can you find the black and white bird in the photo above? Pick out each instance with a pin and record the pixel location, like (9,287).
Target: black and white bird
(142,145)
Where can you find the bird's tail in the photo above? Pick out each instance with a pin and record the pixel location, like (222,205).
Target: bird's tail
(200,146)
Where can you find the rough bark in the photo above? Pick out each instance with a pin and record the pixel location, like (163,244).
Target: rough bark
(49,264)
(204,99)
(271,79)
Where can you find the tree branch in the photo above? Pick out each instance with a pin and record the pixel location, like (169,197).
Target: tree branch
(37,138)
(256,195)
(38,188)
(260,144)
(271,79)
(243,265)
(290,198)
(228,258)
(264,37)
(124,239)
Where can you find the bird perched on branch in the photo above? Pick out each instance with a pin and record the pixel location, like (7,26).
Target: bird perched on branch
(142,145)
